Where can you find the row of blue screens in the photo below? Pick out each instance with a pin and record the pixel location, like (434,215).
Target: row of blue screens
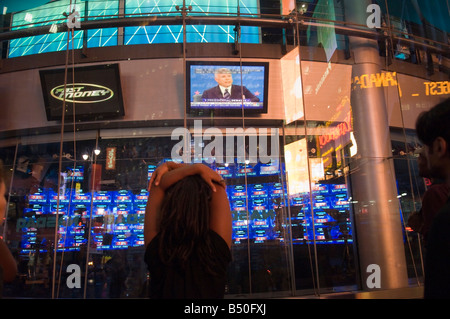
(235,192)
(235,170)
(51,14)
(118,216)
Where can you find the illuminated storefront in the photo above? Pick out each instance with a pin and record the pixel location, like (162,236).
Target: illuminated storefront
(318,154)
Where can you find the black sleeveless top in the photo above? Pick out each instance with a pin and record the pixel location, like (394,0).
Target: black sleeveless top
(168,282)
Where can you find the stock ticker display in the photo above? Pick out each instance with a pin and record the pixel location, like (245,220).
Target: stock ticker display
(262,213)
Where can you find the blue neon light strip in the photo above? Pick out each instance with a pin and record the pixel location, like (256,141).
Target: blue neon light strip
(51,14)
(46,15)
(194,33)
(102,10)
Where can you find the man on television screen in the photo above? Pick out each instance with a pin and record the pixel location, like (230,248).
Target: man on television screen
(225,90)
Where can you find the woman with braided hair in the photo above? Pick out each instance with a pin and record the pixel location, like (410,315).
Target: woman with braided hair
(187,232)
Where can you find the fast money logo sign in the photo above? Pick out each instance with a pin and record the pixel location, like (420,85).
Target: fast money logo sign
(82,93)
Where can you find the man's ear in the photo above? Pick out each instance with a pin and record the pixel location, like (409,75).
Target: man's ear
(440,146)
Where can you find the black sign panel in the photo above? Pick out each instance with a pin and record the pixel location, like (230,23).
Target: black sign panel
(92,93)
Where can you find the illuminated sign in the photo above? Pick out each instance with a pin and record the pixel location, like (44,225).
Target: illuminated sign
(151,34)
(292,86)
(82,93)
(95,94)
(389,79)
(44,222)
(382,79)
(110,158)
(336,132)
(296,167)
(437,88)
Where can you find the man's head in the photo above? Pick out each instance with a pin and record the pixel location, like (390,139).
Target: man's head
(223,77)
(433,129)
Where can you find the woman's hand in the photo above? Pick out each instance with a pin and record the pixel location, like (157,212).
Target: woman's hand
(161,170)
(211,177)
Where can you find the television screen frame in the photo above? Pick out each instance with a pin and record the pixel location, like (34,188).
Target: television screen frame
(107,77)
(226,111)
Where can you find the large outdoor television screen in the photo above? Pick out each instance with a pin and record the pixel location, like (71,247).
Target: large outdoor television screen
(94,91)
(226,88)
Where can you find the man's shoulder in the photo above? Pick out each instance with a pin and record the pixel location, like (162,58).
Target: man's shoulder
(443,215)
(212,90)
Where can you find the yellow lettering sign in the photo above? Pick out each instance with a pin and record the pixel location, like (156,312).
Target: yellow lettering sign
(383,79)
(437,88)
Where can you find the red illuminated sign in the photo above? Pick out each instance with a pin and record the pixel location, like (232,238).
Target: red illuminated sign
(110,158)
(336,132)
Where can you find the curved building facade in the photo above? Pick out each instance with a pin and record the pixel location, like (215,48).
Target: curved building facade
(318,147)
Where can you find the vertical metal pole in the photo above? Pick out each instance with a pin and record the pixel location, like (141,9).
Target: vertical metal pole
(313,260)
(377,212)
(187,141)
(120,30)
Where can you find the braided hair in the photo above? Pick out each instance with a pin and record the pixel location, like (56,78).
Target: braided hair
(184,225)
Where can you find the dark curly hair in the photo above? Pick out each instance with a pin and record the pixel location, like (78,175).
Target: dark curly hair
(434,123)
(184,226)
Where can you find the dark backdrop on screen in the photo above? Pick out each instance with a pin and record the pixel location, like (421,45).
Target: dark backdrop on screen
(95,91)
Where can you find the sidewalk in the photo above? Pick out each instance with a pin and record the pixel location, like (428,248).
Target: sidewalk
(399,293)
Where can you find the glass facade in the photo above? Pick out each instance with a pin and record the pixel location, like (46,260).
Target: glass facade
(318,154)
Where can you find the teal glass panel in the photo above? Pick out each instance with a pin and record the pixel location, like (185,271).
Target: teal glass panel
(98,10)
(50,15)
(194,33)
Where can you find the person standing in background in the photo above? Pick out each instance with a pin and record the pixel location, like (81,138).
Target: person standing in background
(433,129)
(432,201)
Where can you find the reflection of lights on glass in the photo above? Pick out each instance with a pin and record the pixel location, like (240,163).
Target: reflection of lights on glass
(354,147)
(96,152)
(303,8)
(28,17)
(53,28)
